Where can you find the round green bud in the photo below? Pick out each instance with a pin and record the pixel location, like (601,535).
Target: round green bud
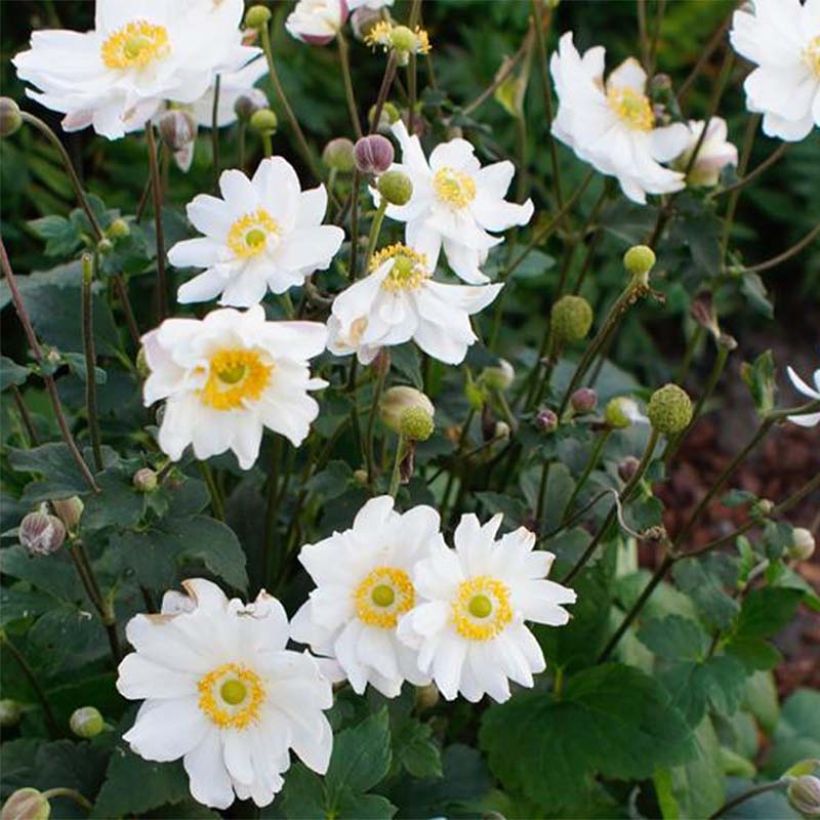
(670,410)
(86,722)
(360,477)
(144,480)
(802,547)
(26,804)
(397,400)
(571,318)
(416,424)
(804,795)
(426,697)
(475,395)
(10,711)
(396,187)
(502,431)
(264,121)
(257,17)
(69,511)
(118,229)
(403,38)
(620,412)
(639,260)
(104,246)
(10,117)
(338,155)
(498,378)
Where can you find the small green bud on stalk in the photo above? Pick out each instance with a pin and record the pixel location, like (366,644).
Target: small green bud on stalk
(389,115)
(499,377)
(338,155)
(571,318)
(426,697)
(396,401)
(264,122)
(26,804)
(248,103)
(118,229)
(639,261)
(416,424)
(10,712)
(41,533)
(502,431)
(86,722)
(396,187)
(803,794)
(69,511)
(546,420)
(10,117)
(144,480)
(257,17)
(670,410)
(803,545)
(583,400)
(620,412)
(475,395)
(104,246)
(360,477)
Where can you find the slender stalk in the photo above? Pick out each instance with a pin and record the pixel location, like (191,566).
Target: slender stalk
(371,426)
(215,129)
(71,794)
(753,175)
(384,90)
(643,33)
(396,474)
(156,194)
(653,46)
(714,42)
(31,677)
(375,229)
(25,416)
(272,510)
(352,108)
(743,163)
(241,132)
(412,67)
(48,379)
(748,795)
(354,225)
(89,263)
(689,354)
(592,462)
(542,491)
(217,505)
(786,255)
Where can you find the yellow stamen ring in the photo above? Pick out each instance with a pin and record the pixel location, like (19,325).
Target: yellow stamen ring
(231,696)
(481,609)
(383,596)
(135,45)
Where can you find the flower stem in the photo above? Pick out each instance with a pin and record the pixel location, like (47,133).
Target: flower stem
(396,474)
(731,207)
(787,254)
(371,426)
(352,108)
(753,175)
(217,505)
(215,129)
(354,225)
(375,229)
(592,462)
(748,795)
(25,416)
(156,194)
(71,794)
(384,90)
(89,264)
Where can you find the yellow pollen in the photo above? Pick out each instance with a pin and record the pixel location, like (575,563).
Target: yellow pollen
(135,45)
(454,187)
(383,596)
(231,696)
(400,38)
(409,269)
(481,609)
(811,55)
(234,377)
(248,235)
(632,107)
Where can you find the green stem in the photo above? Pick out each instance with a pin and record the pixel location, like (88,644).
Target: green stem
(689,354)
(215,129)
(748,795)
(156,193)
(354,225)
(271,511)
(753,175)
(786,255)
(743,163)
(89,267)
(371,426)
(375,229)
(384,90)
(242,129)
(396,474)
(217,506)
(25,417)
(267,144)
(352,108)
(542,491)
(592,463)
(71,794)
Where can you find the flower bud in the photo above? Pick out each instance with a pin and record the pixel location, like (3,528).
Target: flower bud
(338,155)
(177,129)
(396,187)
(416,424)
(373,154)
(249,102)
(571,318)
(475,394)
(41,534)
(502,431)
(583,400)
(104,246)
(397,400)
(360,477)
(10,711)
(389,115)
(802,547)
(26,804)
(426,697)
(499,377)
(669,410)
(10,118)
(627,467)
(141,363)
(144,480)
(118,229)
(257,17)
(86,722)
(69,511)
(264,121)
(546,420)
(639,260)
(620,412)
(803,794)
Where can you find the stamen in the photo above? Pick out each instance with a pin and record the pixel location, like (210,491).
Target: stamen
(135,45)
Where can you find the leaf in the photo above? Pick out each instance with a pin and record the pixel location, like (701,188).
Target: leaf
(332,481)
(61,234)
(754,289)
(302,795)
(118,504)
(674,638)
(760,698)
(414,749)
(511,508)
(11,373)
(702,581)
(798,732)
(766,611)
(759,378)
(353,806)
(61,475)
(612,720)
(361,756)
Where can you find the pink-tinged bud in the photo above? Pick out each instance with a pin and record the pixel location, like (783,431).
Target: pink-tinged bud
(804,795)
(317,22)
(373,154)
(627,467)
(26,804)
(249,102)
(69,511)
(583,400)
(41,534)
(177,129)
(546,420)
(144,480)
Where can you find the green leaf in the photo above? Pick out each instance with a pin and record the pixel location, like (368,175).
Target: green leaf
(512,509)
(332,481)
(118,504)
(61,475)
(61,234)
(361,756)
(760,379)
(675,638)
(302,795)
(798,732)
(612,720)
(702,580)
(354,806)
(760,698)
(754,289)
(766,611)
(11,373)
(414,749)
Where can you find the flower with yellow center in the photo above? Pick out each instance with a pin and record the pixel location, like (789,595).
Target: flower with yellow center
(229,376)
(249,234)
(468,624)
(407,271)
(455,188)
(781,38)
(403,41)
(632,107)
(363,590)
(140,58)
(223,693)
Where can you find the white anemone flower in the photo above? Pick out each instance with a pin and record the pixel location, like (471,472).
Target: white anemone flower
(369,4)
(222,693)
(227,377)
(612,125)
(714,154)
(265,233)
(398,301)
(455,203)
(317,22)
(782,38)
(364,586)
(138,56)
(473,601)
(808,419)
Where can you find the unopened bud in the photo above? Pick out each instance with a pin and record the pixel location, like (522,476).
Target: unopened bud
(338,155)
(396,401)
(416,424)
(498,377)
(105,246)
(118,229)
(804,795)
(360,477)
(177,129)
(669,410)
(571,318)
(86,722)
(583,400)
(249,102)
(257,17)
(41,534)
(26,804)
(475,394)
(143,370)
(373,154)
(426,697)
(264,121)
(627,467)
(502,431)
(546,420)
(802,547)
(620,412)
(389,115)
(10,117)
(144,480)
(69,511)
(10,712)
(396,187)
(639,260)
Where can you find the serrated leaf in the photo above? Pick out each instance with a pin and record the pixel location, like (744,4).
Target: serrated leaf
(61,475)
(798,732)
(11,373)
(701,581)
(674,638)
(766,611)
(361,756)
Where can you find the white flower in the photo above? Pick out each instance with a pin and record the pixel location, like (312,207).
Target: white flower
(222,693)
(364,585)
(611,125)
(264,233)
(455,202)
(809,419)
(317,21)
(226,377)
(369,4)
(138,55)
(782,37)
(399,301)
(714,154)
(469,622)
